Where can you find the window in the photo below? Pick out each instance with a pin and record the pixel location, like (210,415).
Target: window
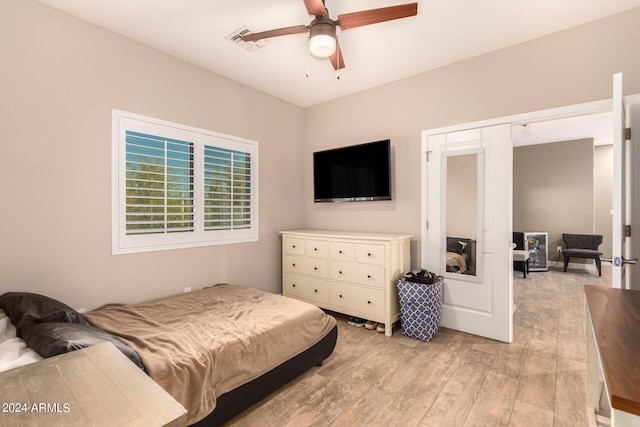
(175,186)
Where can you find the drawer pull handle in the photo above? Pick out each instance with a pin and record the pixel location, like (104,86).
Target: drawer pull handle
(368,276)
(339,252)
(368,302)
(315,290)
(340,295)
(369,254)
(315,249)
(293,285)
(294,264)
(315,268)
(293,246)
(340,272)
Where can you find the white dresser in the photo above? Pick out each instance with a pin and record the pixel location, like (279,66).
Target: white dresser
(353,273)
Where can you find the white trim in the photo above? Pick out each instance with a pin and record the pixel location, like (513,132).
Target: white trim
(587,108)
(447,152)
(618,218)
(593,107)
(121,243)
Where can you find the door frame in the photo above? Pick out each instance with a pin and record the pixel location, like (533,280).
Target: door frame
(633,248)
(582,109)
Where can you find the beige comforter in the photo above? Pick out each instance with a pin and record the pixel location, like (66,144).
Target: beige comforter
(456,261)
(200,345)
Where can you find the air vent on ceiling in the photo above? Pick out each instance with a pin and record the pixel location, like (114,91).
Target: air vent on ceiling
(234,38)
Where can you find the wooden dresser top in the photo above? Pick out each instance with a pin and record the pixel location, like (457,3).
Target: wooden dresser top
(615,316)
(336,234)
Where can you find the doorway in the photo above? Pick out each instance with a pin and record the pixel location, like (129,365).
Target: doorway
(431,238)
(558,161)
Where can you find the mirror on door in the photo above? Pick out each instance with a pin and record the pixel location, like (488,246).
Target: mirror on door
(463,174)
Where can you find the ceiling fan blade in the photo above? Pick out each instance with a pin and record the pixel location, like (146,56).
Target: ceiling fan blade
(336,59)
(296,29)
(373,16)
(316,7)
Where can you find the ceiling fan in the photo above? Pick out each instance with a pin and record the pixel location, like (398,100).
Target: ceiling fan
(322,30)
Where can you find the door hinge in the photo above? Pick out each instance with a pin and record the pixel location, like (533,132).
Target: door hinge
(627,230)
(426,155)
(426,225)
(627,134)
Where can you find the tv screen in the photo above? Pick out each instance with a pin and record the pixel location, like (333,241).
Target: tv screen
(355,173)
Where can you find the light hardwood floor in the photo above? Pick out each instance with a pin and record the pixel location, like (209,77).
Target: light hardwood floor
(456,379)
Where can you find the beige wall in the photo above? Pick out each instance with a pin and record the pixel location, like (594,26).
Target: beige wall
(61,77)
(570,192)
(553,191)
(565,68)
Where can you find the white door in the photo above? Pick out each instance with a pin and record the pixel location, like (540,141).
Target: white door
(633,189)
(467,212)
(625,164)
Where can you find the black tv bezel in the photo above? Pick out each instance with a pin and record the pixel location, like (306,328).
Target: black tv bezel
(355,198)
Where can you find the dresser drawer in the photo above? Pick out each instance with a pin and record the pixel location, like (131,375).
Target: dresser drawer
(308,288)
(369,302)
(317,248)
(342,251)
(347,272)
(357,273)
(306,265)
(370,254)
(294,245)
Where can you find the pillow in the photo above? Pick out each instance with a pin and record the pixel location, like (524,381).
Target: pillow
(453,245)
(24,308)
(51,339)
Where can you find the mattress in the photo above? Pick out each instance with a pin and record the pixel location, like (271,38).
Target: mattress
(200,345)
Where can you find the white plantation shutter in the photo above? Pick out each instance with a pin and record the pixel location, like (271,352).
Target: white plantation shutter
(175,186)
(227,194)
(159,184)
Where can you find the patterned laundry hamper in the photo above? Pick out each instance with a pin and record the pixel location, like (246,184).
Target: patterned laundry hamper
(420,294)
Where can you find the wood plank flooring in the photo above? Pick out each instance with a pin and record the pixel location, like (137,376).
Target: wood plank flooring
(456,379)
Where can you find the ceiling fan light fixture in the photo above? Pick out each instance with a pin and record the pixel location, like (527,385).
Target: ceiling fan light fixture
(322,40)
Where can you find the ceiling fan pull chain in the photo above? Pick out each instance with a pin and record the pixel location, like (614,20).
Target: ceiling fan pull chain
(307,73)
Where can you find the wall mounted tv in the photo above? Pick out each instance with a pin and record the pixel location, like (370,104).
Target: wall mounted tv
(355,173)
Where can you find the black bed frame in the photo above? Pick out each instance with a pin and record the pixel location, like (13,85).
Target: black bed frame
(237,400)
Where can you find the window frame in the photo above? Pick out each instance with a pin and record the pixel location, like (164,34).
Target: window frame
(123,243)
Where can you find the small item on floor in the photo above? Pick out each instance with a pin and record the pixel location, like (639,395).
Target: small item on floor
(380,328)
(371,325)
(356,321)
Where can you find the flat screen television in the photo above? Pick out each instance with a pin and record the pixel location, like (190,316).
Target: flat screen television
(355,173)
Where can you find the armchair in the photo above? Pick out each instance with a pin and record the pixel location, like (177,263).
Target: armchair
(582,246)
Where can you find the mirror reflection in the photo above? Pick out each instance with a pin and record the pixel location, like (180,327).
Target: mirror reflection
(461,217)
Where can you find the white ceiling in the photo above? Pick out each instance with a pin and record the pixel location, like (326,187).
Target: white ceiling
(444,32)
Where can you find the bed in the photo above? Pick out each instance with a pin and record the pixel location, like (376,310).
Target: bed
(216,351)
(458,256)
(13,350)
